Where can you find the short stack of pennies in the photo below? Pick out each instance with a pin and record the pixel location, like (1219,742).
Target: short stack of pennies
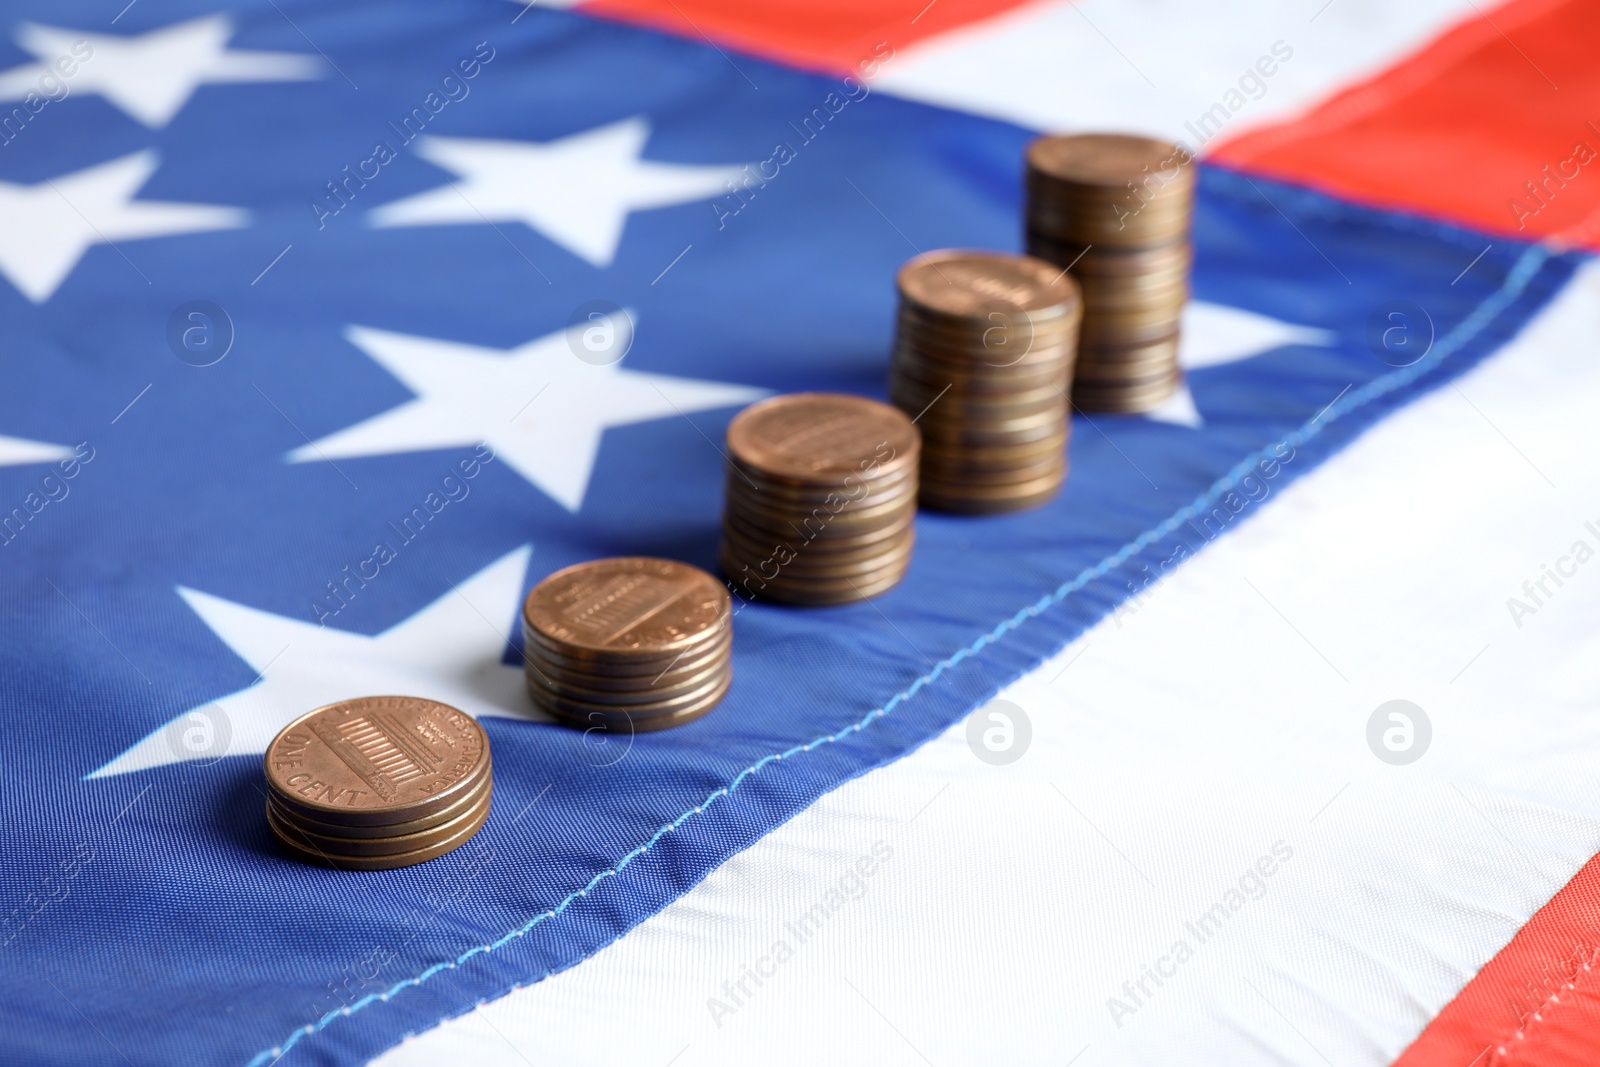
(821,498)
(983,360)
(1116,211)
(378,782)
(628,644)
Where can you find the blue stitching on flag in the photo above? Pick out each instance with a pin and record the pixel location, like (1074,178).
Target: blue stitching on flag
(1523,272)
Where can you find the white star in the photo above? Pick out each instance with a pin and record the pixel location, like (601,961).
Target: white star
(150,76)
(540,407)
(45,229)
(16,452)
(1214,334)
(577,191)
(449,651)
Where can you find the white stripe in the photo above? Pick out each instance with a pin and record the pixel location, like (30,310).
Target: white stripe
(1152,66)
(1173,747)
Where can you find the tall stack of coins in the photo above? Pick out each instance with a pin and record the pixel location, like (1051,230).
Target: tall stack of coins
(378,782)
(628,644)
(983,360)
(821,498)
(1116,210)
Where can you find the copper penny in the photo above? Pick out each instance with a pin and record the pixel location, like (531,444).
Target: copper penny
(376,761)
(963,284)
(610,691)
(1090,263)
(303,849)
(706,696)
(626,723)
(847,493)
(479,795)
(629,607)
(820,593)
(964,502)
(1109,159)
(820,438)
(630,675)
(337,845)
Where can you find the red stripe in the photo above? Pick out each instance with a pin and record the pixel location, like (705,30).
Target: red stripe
(827,35)
(1459,129)
(1537,1003)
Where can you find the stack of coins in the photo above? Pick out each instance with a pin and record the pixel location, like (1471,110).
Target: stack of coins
(821,498)
(983,360)
(378,782)
(1116,210)
(628,644)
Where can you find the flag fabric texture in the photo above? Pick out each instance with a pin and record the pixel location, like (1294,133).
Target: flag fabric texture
(333,329)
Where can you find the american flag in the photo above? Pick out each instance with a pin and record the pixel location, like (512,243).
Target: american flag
(1271,740)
